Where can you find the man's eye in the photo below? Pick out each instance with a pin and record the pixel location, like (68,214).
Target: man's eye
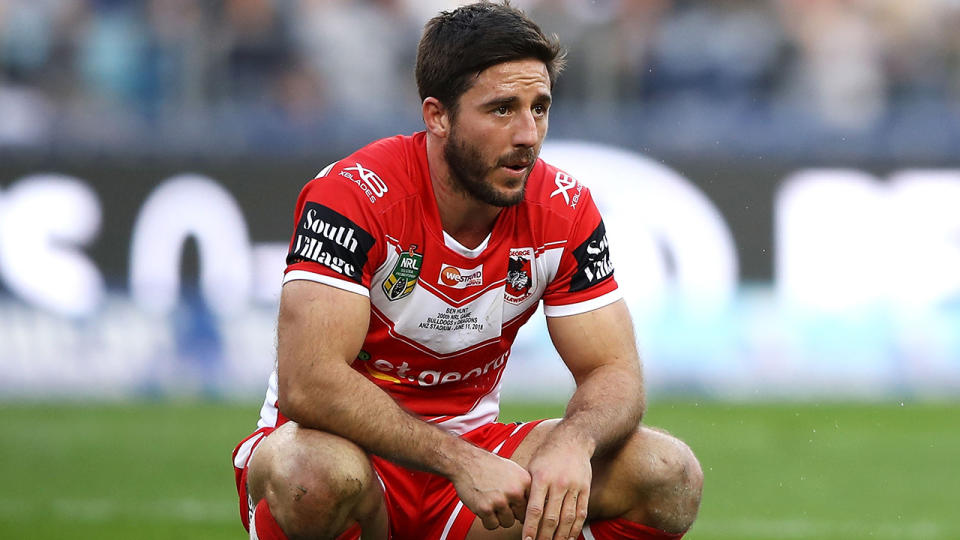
(503,109)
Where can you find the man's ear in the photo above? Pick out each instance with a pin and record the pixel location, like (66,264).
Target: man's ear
(436,117)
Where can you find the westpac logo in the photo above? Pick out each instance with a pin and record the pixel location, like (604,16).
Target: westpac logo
(459,278)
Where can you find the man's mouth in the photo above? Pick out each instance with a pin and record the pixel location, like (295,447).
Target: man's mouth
(518,161)
(517,167)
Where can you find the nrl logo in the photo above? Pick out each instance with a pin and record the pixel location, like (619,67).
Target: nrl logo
(403,278)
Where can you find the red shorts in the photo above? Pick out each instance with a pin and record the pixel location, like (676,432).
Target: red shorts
(419,504)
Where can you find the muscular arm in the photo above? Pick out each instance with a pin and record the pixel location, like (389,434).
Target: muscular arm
(599,349)
(320,331)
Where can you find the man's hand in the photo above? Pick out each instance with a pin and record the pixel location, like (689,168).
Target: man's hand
(493,488)
(560,474)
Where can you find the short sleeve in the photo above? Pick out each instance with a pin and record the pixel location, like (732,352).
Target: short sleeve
(584,279)
(335,239)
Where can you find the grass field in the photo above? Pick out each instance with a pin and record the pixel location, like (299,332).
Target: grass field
(793,471)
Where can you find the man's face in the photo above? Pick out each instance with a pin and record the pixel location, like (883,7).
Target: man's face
(495,137)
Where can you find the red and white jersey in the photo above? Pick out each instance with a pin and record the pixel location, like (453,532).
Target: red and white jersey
(443,317)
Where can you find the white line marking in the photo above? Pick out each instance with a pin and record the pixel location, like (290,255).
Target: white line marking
(103,510)
(453,517)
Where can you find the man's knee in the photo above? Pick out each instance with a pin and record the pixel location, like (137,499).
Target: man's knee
(314,482)
(669,480)
(676,466)
(655,479)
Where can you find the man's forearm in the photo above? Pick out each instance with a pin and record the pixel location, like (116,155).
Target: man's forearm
(607,406)
(347,404)
(318,388)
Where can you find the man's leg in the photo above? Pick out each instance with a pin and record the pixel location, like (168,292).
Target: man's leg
(316,485)
(654,480)
(649,488)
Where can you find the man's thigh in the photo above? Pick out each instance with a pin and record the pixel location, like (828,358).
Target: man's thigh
(404,490)
(304,472)
(291,451)
(521,456)
(457,520)
(616,489)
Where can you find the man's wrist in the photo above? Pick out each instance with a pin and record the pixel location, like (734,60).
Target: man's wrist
(569,435)
(453,455)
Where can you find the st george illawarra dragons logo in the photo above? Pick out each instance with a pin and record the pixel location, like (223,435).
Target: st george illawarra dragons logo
(403,277)
(520,276)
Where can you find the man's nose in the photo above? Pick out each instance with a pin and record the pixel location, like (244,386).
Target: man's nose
(525,131)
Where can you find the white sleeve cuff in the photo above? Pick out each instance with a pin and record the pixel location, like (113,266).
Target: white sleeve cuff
(351,286)
(582,307)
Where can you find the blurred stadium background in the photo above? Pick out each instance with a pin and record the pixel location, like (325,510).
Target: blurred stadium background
(781,181)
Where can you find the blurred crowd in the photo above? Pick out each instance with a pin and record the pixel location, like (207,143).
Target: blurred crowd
(261,74)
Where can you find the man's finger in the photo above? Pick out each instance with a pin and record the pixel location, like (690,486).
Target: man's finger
(568,515)
(489,520)
(518,502)
(551,514)
(535,505)
(582,502)
(519,509)
(505,516)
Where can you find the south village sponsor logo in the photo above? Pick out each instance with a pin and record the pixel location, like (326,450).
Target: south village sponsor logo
(593,260)
(331,239)
(403,277)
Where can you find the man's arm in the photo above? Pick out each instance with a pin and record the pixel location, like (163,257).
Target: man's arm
(320,330)
(599,349)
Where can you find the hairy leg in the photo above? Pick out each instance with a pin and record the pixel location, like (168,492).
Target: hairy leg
(317,484)
(653,479)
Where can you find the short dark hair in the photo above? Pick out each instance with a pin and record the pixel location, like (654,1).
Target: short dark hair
(457,45)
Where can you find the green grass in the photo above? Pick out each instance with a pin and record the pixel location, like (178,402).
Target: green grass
(823,471)
(789,471)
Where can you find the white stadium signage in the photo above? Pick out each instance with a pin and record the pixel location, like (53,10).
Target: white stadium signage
(848,245)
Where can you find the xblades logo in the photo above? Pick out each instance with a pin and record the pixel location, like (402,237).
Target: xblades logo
(564,184)
(370,179)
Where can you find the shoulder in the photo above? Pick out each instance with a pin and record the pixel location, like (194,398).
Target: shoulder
(556,192)
(378,174)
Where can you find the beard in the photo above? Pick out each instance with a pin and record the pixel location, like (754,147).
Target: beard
(468,171)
